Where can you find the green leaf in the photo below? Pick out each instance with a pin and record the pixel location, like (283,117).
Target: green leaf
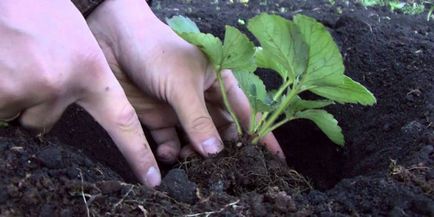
(283,49)
(238,51)
(210,45)
(182,24)
(325,65)
(348,92)
(326,122)
(299,104)
(254,89)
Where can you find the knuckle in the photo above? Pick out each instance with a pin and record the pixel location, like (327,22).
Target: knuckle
(202,124)
(49,81)
(94,62)
(126,118)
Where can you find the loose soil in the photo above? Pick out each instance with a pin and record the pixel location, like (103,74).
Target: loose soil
(385,169)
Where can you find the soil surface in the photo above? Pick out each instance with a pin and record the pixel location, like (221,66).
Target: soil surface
(385,169)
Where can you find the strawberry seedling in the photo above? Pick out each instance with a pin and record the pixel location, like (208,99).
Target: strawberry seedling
(302,52)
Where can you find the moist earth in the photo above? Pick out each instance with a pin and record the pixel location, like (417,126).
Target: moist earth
(385,168)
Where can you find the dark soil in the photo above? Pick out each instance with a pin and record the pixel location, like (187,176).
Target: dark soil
(385,169)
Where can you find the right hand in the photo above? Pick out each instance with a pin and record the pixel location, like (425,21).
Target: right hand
(169,81)
(49,60)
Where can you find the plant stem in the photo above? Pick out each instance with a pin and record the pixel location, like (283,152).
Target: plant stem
(227,104)
(282,89)
(276,97)
(261,121)
(275,126)
(280,110)
(252,124)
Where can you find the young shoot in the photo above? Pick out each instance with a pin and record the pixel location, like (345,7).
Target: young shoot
(302,52)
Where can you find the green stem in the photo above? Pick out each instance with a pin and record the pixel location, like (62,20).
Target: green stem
(282,89)
(252,124)
(227,104)
(261,121)
(275,126)
(256,140)
(280,110)
(276,97)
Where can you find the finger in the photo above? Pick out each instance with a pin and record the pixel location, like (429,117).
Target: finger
(187,152)
(236,97)
(241,107)
(9,115)
(12,106)
(223,122)
(273,145)
(158,117)
(41,118)
(8,108)
(168,144)
(191,110)
(109,106)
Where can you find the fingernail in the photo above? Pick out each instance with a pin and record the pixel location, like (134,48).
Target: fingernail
(153,177)
(212,146)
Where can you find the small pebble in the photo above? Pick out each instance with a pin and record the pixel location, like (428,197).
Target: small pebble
(109,187)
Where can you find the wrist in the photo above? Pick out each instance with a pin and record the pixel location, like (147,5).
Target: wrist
(123,21)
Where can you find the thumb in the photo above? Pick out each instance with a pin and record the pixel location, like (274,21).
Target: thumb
(195,119)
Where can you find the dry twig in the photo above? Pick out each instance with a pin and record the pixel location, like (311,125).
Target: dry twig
(206,214)
(82,192)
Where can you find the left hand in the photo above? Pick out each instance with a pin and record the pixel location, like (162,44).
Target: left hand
(168,80)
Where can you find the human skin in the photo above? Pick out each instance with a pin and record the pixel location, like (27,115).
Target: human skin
(49,59)
(168,81)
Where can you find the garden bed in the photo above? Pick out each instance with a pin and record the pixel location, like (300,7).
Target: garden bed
(385,168)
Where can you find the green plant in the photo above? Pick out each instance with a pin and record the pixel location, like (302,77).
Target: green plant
(302,52)
(430,13)
(369,3)
(3,124)
(396,5)
(413,9)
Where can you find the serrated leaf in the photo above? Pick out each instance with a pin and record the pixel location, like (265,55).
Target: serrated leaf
(254,89)
(325,65)
(301,104)
(348,92)
(210,45)
(238,51)
(326,122)
(283,49)
(182,24)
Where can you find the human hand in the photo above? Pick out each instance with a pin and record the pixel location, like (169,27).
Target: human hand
(49,59)
(167,80)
